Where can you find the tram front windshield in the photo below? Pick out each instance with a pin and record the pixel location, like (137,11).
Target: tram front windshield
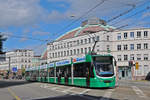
(104,66)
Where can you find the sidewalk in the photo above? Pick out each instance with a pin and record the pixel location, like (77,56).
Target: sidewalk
(133,82)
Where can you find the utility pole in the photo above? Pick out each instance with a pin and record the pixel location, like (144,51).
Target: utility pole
(9,65)
(1,42)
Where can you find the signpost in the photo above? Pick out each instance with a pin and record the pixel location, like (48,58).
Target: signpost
(14,69)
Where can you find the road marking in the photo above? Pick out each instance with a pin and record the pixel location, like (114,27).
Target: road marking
(139,92)
(68,89)
(84,91)
(107,94)
(13,94)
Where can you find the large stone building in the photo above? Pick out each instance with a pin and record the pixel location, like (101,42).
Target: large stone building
(124,45)
(17,59)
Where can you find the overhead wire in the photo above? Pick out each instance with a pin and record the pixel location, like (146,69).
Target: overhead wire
(100,3)
(21,36)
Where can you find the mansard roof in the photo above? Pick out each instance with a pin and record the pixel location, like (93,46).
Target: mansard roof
(86,29)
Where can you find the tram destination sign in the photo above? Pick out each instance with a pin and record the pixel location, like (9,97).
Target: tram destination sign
(43,67)
(51,65)
(76,60)
(61,63)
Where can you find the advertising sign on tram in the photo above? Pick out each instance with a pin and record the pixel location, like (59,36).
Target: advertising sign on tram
(76,60)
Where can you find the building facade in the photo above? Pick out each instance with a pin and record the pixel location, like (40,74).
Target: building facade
(125,45)
(17,59)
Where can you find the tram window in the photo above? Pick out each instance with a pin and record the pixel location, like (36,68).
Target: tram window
(63,71)
(67,71)
(51,72)
(60,71)
(44,73)
(27,74)
(82,70)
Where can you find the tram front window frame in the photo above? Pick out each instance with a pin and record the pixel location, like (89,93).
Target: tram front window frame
(104,66)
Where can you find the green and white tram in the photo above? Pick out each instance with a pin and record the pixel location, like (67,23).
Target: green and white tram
(93,71)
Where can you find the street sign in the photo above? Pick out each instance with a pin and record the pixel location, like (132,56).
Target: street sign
(14,69)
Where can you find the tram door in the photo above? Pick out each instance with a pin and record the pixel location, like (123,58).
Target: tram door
(66,74)
(59,75)
(88,77)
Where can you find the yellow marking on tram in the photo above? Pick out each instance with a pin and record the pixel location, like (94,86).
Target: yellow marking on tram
(13,94)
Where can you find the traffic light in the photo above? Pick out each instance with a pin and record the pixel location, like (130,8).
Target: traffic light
(130,63)
(136,65)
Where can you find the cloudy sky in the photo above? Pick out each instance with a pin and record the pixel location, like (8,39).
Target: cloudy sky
(28,23)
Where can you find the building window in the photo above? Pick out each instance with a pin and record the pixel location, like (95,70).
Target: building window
(125,35)
(71,44)
(68,44)
(131,34)
(81,50)
(85,40)
(70,52)
(89,40)
(61,46)
(64,45)
(89,49)
(50,56)
(78,51)
(97,38)
(138,34)
(55,54)
(145,56)
(77,42)
(67,52)
(125,47)
(131,46)
(108,47)
(145,34)
(58,54)
(138,56)
(81,41)
(85,50)
(74,51)
(119,36)
(138,46)
(119,57)
(132,57)
(64,53)
(125,57)
(93,38)
(61,53)
(118,47)
(107,38)
(145,45)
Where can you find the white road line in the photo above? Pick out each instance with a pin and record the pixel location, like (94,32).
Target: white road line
(139,92)
(107,94)
(68,89)
(54,88)
(84,91)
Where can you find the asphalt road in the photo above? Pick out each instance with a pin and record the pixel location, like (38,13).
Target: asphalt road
(22,90)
